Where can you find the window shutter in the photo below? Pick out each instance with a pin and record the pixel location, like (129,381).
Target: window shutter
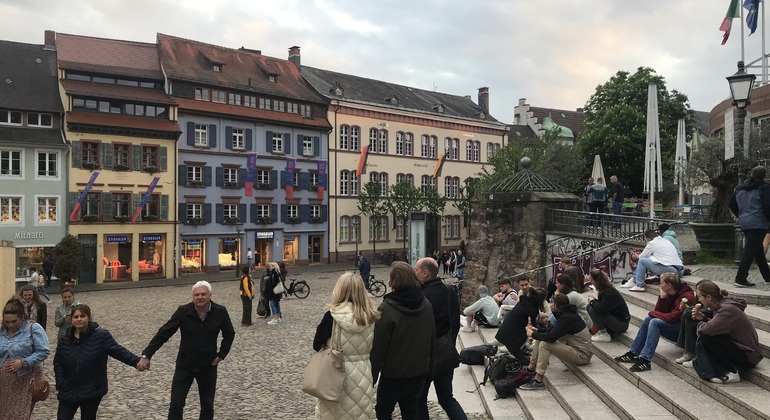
(242,213)
(182,213)
(300,149)
(136,199)
(207,213)
(316,146)
(229,137)
(72,198)
(163,159)
(136,157)
(287,143)
(273,179)
(269,141)
(274,213)
(107,207)
(241,178)
(283,180)
(106,149)
(283,213)
(253,215)
(304,213)
(304,180)
(207,176)
(325,213)
(77,154)
(212,135)
(191,133)
(220,181)
(220,213)
(182,175)
(249,138)
(164,208)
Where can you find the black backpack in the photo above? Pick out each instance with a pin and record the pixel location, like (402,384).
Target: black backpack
(499,367)
(506,387)
(475,355)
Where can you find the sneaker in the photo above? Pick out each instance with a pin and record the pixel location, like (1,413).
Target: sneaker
(631,282)
(280,319)
(732,377)
(744,283)
(636,289)
(641,366)
(686,357)
(533,385)
(272,322)
(468,328)
(688,364)
(502,349)
(627,358)
(601,337)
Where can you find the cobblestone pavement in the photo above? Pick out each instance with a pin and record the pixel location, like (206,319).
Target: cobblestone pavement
(259,379)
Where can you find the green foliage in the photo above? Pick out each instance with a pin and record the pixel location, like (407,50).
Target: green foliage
(616,126)
(403,199)
(468,191)
(370,200)
(433,202)
(67,258)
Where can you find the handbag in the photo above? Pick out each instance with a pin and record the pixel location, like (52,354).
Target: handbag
(40,388)
(278,289)
(447,357)
(324,376)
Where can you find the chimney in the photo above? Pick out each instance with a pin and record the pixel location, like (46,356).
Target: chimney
(580,110)
(484,99)
(50,40)
(294,56)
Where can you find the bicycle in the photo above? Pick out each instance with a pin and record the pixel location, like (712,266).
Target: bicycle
(386,257)
(300,289)
(376,287)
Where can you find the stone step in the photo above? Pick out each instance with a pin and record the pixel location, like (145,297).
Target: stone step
(746,397)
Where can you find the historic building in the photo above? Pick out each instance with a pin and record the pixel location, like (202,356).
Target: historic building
(32,153)
(252,157)
(528,120)
(123,130)
(392,133)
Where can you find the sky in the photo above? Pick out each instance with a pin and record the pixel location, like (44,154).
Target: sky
(554,53)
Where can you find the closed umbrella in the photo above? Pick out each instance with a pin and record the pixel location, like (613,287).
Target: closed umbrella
(598,171)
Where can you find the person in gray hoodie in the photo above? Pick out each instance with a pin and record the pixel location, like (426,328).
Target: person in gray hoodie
(751,203)
(670,235)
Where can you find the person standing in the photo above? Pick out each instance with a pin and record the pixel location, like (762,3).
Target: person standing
(587,194)
(349,325)
(250,257)
(751,203)
(364,268)
(80,365)
(598,194)
(446,314)
(48,269)
(36,309)
(200,323)
(617,198)
(460,265)
(62,317)
(404,345)
(247,296)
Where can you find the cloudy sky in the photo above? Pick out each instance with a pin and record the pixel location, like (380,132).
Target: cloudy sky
(552,52)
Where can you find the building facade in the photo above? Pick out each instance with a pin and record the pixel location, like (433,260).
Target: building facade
(247,120)
(428,139)
(123,130)
(33,154)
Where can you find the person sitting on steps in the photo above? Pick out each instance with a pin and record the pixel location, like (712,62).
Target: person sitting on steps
(483,312)
(608,310)
(658,256)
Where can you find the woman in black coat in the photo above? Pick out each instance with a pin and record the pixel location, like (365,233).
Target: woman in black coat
(609,310)
(513,331)
(274,279)
(80,365)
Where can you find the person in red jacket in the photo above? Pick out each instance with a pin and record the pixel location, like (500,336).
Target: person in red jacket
(663,320)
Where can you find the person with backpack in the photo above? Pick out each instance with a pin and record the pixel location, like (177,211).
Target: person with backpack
(568,340)
(446,313)
(482,312)
(512,333)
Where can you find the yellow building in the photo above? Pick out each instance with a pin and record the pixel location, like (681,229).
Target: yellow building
(408,131)
(122,179)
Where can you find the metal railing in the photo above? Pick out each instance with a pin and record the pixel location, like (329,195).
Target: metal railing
(604,225)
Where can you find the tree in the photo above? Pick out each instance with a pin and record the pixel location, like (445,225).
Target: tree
(616,125)
(67,258)
(433,202)
(403,199)
(371,204)
(471,187)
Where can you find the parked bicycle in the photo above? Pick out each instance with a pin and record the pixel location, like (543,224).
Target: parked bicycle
(376,287)
(298,288)
(386,257)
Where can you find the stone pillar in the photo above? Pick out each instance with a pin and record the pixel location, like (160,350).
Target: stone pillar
(7,273)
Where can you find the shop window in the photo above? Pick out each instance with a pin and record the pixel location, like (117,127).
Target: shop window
(47,209)
(152,251)
(192,255)
(10,210)
(228,249)
(117,257)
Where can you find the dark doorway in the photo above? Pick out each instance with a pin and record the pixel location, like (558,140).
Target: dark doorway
(432,234)
(314,249)
(88,270)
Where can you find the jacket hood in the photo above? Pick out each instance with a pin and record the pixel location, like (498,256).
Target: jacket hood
(670,233)
(406,300)
(736,302)
(684,290)
(569,308)
(752,184)
(343,316)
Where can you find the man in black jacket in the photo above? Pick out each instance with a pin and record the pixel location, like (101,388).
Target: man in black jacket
(751,203)
(200,322)
(446,312)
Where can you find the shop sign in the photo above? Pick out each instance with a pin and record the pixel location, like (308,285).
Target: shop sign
(229,241)
(28,235)
(289,238)
(117,239)
(151,238)
(265,235)
(194,242)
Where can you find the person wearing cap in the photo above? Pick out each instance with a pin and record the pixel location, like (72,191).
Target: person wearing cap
(751,203)
(483,312)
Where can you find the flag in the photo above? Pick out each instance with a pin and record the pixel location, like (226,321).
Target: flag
(439,165)
(291,163)
(732,12)
(321,179)
(362,160)
(251,172)
(146,197)
(752,7)
(83,195)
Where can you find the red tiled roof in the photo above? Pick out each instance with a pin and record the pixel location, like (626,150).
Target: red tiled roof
(574,120)
(122,121)
(157,96)
(112,56)
(189,60)
(251,113)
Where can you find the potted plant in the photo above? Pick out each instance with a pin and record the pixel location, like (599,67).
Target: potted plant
(292,220)
(263,186)
(121,219)
(231,220)
(150,218)
(315,220)
(264,220)
(195,221)
(120,167)
(150,169)
(89,218)
(67,261)
(91,166)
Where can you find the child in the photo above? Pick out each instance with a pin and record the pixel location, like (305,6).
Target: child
(62,318)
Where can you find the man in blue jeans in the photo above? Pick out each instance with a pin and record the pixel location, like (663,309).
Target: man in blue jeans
(617,198)
(659,256)
(751,203)
(663,320)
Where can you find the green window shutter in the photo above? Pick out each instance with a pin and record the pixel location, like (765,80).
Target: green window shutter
(163,159)
(136,199)
(106,149)
(164,207)
(72,198)
(77,154)
(107,207)
(136,157)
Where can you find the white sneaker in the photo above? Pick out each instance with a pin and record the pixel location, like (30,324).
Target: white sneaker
(602,336)
(272,322)
(688,364)
(629,283)
(636,289)
(732,377)
(502,349)
(686,357)
(468,328)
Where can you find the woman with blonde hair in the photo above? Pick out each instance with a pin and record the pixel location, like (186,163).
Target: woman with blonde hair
(274,299)
(349,325)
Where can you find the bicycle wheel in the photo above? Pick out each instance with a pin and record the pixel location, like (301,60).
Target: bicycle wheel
(377,288)
(301,289)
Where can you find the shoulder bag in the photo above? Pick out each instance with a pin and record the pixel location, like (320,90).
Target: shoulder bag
(40,388)
(447,357)
(324,376)
(278,289)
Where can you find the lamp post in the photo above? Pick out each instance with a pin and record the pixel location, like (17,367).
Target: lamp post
(238,228)
(741,84)
(355,238)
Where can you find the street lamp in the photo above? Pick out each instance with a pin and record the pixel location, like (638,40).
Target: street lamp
(238,228)
(355,237)
(741,84)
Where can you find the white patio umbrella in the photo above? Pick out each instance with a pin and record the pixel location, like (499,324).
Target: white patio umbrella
(653,173)
(598,171)
(681,160)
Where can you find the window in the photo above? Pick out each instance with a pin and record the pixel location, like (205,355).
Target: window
(469,151)
(452,227)
(307,146)
(378,228)
(295,181)
(424,142)
(408,144)
(354,183)
(91,205)
(315,211)
(230,177)
(47,164)
(345,232)
(399,143)
(152,208)
(230,211)
(277,142)
(279,106)
(455,149)
(402,230)
(354,136)
(201,135)
(10,163)
(250,101)
(409,179)
(195,211)
(425,182)
(234,99)
(90,153)
(292,211)
(399,178)
(344,137)
(452,187)
(121,205)
(291,108)
(492,149)
(305,111)
(216,67)
(47,209)
(382,178)
(344,182)
(121,155)
(202,94)
(238,138)
(373,134)
(476,151)
(10,210)
(218,96)
(263,211)
(263,176)
(35,119)
(150,157)
(194,175)
(264,103)
(10,117)
(383,143)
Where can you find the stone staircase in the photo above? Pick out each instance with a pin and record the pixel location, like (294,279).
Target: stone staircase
(606,389)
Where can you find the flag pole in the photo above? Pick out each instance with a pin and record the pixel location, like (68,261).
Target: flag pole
(764,55)
(743,49)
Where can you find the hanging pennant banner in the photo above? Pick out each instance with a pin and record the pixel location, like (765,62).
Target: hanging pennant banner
(362,160)
(321,179)
(83,195)
(146,197)
(251,172)
(291,163)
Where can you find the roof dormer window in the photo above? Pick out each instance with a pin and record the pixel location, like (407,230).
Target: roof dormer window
(271,78)
(216,67)
(393,100)
(439,108)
